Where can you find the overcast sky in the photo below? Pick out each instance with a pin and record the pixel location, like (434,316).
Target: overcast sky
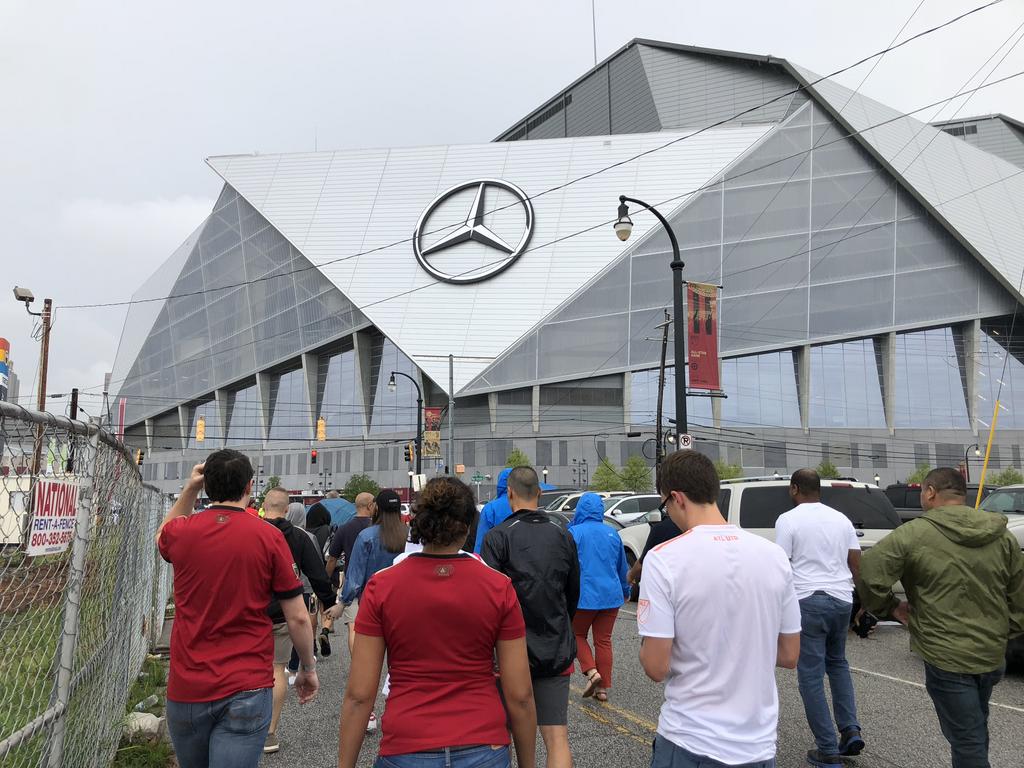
(111,108)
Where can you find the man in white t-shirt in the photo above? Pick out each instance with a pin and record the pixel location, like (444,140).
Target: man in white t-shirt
(717,614)
(822,546)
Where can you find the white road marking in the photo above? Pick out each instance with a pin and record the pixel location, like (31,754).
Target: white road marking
(921,685)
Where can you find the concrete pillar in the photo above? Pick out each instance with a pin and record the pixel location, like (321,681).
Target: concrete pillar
(967,338)
(364,396)
(802,366)
(263,397)
(492,407)
(310,373)
(184,425)
(150,430)
(885,359)
(716,412)
(627,399)
(536,408)
(221,397)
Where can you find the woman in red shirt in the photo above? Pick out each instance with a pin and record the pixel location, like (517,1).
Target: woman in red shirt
(440,637)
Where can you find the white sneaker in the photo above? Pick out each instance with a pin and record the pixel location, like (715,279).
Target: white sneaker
(371,726)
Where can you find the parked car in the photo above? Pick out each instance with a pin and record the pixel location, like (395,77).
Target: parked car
(906,498)
(549,496)
(1009,501)
(631,510)
(567,501)
(755,505)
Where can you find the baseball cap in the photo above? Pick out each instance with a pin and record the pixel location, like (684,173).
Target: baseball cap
(388,501)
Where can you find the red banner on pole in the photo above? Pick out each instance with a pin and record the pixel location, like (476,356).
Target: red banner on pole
(702,336)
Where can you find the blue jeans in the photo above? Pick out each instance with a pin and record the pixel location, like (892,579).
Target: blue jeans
(824,622)
(961,702)
(227,733)
(669,755)
(456,757)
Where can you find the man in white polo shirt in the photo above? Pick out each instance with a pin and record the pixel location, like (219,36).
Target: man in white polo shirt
(717,614)
(822,546)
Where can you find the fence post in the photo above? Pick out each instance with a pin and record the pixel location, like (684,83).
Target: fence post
(72,603)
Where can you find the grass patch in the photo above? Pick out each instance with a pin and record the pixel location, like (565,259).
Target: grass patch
(143,756)
(151,681)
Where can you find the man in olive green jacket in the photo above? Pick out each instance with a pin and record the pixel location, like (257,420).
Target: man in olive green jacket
(964,577)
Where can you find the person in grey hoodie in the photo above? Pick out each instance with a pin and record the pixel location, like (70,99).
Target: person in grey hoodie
(964,577)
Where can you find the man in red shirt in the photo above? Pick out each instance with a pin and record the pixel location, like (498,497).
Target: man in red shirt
(227,567)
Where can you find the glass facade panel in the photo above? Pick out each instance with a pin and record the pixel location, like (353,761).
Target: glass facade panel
(244,416)
(643,400)
(929,391)
(844,387)
(761,391)
(289,407)
(392,411)
(337,396)
(1002,374)
(245,299)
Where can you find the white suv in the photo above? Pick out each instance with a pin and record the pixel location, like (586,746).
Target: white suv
(755,504)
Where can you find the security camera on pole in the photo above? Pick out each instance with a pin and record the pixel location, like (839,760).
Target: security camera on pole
(46,318)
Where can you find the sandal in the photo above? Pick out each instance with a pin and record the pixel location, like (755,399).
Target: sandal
(601,695)
(593,681)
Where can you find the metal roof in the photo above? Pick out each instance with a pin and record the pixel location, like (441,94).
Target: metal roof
(352,214)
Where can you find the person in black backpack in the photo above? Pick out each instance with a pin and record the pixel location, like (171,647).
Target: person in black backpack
(318,525)
(540,558)
(309,563)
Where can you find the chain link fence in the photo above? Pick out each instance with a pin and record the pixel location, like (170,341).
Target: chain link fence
(82,588)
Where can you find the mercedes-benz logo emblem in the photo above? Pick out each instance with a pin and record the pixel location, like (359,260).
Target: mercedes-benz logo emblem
(445,261)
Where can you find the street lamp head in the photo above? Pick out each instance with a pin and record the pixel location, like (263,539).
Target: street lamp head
(411,473)
(623,225)
(23,294)
(977,452)
(391,382)
(877,479)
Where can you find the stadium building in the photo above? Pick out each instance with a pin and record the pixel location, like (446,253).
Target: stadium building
(870,266)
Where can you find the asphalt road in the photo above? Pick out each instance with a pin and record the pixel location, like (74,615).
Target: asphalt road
(898,720)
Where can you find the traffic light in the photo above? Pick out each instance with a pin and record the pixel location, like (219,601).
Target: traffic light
(201,429)
(312,456)
(139,456)
(408,453)
(321,429)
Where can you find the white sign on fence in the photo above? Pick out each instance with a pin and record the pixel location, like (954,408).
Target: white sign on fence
(55,505)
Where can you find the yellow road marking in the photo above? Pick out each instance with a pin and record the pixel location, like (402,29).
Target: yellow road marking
(633,717)
(593,715)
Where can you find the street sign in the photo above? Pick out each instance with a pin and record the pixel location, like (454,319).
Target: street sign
(685,442)
(478,478)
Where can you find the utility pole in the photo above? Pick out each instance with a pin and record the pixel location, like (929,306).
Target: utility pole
(659,451)
(44,359)
(451,416)
(74,416)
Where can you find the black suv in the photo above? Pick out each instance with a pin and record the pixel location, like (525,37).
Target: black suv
(906,497)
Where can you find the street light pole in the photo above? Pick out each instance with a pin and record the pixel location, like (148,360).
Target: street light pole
(419,417)
(623,228)
(967,464)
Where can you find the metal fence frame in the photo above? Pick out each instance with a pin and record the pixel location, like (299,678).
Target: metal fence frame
(116,522)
